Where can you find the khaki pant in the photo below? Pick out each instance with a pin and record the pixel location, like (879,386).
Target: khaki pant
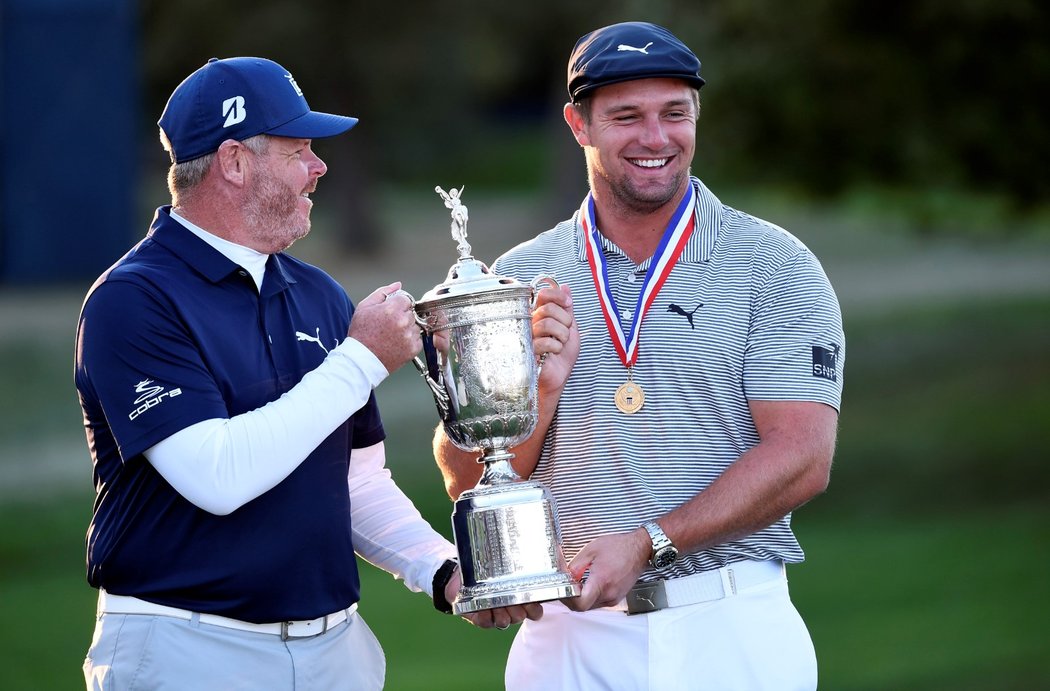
(144,651)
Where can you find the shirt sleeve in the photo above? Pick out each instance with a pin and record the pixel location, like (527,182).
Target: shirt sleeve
(389,531)
(144,369)
(221,464)
(796,346)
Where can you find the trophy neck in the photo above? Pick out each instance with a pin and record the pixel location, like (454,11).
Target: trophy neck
(498,470)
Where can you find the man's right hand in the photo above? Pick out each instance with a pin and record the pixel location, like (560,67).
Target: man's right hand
(385,323)
(555,336)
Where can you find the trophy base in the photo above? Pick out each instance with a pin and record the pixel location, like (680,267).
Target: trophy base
(508,542)
(478,598)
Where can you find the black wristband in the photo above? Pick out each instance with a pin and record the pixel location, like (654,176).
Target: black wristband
(441,579)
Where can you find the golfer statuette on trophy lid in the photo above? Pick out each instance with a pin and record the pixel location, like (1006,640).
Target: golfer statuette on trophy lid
(485,388)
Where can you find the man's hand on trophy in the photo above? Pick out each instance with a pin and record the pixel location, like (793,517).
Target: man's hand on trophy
(499,618)
(385,323)
(613,564)
(555,338)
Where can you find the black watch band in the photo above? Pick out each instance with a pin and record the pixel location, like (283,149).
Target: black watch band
(441,579)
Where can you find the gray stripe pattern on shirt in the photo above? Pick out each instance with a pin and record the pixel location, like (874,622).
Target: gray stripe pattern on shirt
(744,315)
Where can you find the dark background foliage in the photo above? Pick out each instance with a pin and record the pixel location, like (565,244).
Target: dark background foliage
(929,109)
(818,95)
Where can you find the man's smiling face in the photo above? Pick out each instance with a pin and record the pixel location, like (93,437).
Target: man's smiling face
(640,141)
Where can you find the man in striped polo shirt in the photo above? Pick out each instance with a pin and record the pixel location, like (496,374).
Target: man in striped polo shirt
(676,452)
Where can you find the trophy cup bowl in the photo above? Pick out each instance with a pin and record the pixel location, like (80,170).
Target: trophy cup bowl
(485,388)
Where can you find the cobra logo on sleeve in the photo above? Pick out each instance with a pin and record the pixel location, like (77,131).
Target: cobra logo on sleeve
(150,395)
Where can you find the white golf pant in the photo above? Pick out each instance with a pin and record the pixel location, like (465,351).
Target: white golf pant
(754,640)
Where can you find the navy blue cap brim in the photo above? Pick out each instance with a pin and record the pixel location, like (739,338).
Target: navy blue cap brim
(690,79)
(313,125)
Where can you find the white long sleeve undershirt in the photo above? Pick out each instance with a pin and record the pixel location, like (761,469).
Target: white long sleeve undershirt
(389,531)
(221,464)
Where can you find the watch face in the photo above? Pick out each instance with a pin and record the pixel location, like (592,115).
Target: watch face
(665,557)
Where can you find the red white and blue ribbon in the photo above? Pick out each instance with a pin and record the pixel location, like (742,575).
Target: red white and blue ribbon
(673,242)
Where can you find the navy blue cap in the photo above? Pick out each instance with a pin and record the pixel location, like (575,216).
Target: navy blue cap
(238,98)
(628,51)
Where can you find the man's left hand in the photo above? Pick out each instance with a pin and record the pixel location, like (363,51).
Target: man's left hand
(499,618)
(614,563)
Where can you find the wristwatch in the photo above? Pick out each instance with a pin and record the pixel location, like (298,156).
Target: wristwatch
(441,579)
(664,552)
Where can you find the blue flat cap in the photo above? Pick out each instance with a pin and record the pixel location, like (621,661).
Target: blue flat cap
(628,51)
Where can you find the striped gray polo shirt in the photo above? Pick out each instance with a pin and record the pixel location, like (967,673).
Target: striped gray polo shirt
(746,314)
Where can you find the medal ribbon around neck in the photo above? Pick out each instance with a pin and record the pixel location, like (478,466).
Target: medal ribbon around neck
(673,242)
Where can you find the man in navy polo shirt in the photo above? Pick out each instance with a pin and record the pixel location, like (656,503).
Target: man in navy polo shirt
(227,397)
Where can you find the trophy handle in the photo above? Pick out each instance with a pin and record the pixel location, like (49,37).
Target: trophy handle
(535,283)
(429,369)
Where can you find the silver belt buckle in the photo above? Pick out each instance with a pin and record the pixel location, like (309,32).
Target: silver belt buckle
(646,597)
(286,625)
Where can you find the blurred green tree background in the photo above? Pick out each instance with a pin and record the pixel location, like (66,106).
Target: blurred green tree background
(905,143)
(929,105)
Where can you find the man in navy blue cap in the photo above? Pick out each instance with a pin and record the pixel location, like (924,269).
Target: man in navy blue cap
(227,394)
(688,401)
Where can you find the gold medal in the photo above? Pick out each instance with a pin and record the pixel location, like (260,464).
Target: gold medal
(629,397)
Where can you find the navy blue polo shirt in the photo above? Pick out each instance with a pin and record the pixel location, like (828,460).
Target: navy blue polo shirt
(173,334)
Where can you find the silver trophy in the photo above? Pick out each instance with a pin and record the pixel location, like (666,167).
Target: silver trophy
(484,384)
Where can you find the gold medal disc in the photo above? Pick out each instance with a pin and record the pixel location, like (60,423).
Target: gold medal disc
(629,397)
